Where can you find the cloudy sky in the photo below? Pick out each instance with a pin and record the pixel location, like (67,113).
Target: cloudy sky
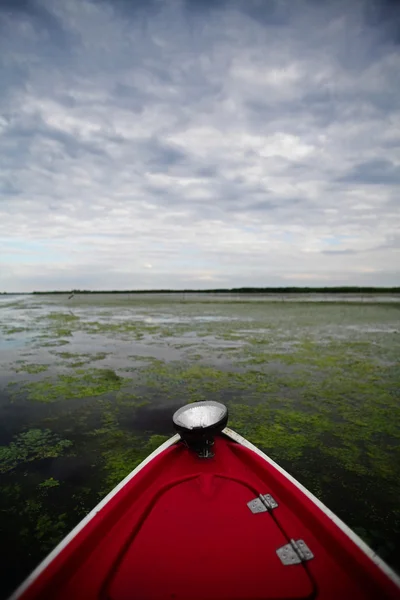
(199,143)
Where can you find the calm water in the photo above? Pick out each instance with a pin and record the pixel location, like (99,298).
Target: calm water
(88,387)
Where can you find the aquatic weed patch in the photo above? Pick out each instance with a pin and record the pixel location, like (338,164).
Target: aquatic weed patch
(62,317)
(53,343)
(125,329)
(31,368)
(115,449)
(31,445)
(56,325)
(187,382)
(76,359)
(282,432)
(79,384)
(89,357)
(13,330)
(122,453)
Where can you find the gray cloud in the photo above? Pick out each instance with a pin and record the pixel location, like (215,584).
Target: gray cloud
(374,171)
(339,252)
(32,15)
(195,143)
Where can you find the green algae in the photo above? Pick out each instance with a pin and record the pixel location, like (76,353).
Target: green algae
(284,432)
(61,317)
(68,355)
(197,382)
(76,359)
(31,445)
(124,451)
(37,516)
(131,400)
(130,329)
(81,384)
(57,325)
(48,483)
(52,343)
(49,531)
(61,332)
(32,369)
(84,356)
(13,330)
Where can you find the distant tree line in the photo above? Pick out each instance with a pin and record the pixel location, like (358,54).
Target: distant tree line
(246,290)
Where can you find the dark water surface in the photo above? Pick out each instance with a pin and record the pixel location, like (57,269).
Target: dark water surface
(88,387)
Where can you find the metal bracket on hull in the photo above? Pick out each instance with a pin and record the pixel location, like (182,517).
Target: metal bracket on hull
(294,553)
(263,503)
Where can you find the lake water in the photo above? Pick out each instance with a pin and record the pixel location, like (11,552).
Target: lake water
(88,387)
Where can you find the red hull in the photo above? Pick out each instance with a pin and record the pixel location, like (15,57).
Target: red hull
(181,528)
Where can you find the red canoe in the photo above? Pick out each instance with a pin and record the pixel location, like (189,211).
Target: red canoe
(209,516)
